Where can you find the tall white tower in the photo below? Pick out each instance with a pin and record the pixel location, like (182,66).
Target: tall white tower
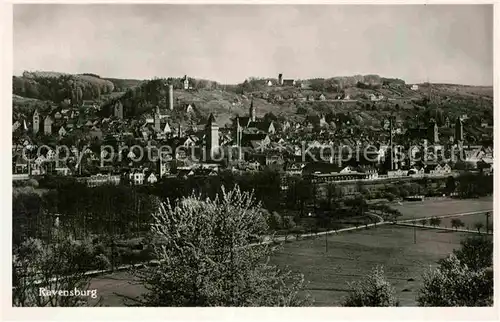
(212,134)
(36,122)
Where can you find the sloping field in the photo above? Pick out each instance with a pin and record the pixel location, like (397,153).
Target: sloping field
(442,207)
(350,257)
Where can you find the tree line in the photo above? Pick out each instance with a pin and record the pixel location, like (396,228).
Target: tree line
(59,87)
(126,209)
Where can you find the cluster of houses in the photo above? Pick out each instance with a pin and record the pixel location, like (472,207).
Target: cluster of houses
(248,144)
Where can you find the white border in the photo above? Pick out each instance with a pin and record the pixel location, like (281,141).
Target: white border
(214,314)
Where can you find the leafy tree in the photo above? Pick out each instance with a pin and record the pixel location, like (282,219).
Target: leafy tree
(390,196)
(274,221)
(423,222)
(455,284)
(394,214)
(206,260)
(57,266)
(288,224)
(476,252)
(435,221)
(270,117)
(373,291)
(358,205)
(478,225)
(450,184)
(457,223)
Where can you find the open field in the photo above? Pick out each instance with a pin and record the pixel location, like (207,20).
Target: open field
(442,207)
(350,257)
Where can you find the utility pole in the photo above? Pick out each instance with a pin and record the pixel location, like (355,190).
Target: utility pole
(414,231)
(326,236)
(326,242)
(487,220)
(391,143)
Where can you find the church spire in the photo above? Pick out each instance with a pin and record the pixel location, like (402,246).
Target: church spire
(211,119)
(252,111)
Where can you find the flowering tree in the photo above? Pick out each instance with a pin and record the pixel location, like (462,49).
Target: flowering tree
(455,284)
(210,255)
(373,291)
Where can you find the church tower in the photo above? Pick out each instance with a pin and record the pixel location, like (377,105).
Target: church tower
(118,112)
(459,130)
(238,136)
(47,125)
(36,122)
(179,130)
(433,132)
(170,97)
(251,112)
(157,120)
(212,137)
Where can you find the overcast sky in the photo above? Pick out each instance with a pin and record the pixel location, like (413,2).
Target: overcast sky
(228,43)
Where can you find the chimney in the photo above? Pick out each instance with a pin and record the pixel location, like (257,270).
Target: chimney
(280,79)
(171,97)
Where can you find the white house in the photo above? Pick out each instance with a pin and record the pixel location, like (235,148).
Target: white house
(416,171)
(167,128)
(16,125)
(190,108)
(62,131)
(152,178)
(51,154)
(136,178)
(414,87)
(101,179)
(396,173)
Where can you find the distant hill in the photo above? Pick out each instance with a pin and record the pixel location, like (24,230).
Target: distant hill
(438,101)
(446,100)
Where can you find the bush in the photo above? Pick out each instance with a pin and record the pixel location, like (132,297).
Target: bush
(375,290)
(102,262)
(32,183)
(390,196)
(455,284)
(476,252)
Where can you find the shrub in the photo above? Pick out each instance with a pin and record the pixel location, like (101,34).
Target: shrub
(32,183)
(374,290)
(455,284)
